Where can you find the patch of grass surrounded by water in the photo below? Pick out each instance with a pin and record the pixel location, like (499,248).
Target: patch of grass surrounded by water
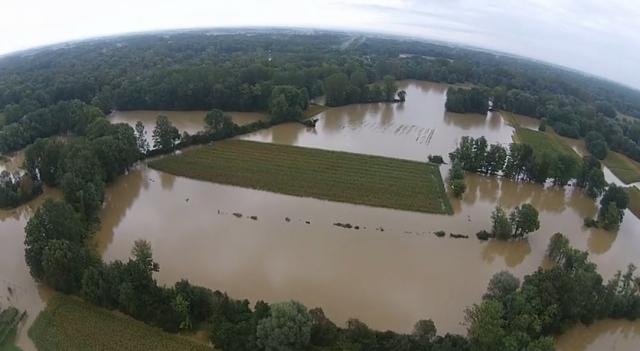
(624,168)
(322,174)
(544,142)
(68,323)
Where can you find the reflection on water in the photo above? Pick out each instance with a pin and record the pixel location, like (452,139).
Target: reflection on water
(619,335)
(389,273)
(13,162)
(413,129)
(17,288)
(186,121)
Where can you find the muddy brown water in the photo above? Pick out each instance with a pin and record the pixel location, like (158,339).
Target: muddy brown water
(389,273)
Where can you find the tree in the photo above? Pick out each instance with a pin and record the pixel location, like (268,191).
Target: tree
(495,159)
(485,326)
(288,327)
(612,205)
(424,332)
(524,220)
(596,145)
(402,95)
(165,135)
(501,226)
(501,285)
(458,187)
(287,103)
(558,248)
(63,264)
(456,179)
(611,216)
(141,138)
(54,222)
(323,331)
(216,122)
(389,87)
(335,87)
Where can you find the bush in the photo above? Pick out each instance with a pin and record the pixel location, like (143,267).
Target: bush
(590,223)
(436,159)
(440,233)
(484,235)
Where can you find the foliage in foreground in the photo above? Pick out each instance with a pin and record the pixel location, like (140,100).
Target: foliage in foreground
(331,175)
(514,316)
(67,323)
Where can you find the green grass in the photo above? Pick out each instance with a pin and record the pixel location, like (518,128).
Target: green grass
(329,175)
(543,142)
(624,168)
(634,200)
(313,110)
(71,324)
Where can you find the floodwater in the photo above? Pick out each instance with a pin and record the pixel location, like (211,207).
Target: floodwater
(410,130)
(186,121)
(17,288)
(391,272)
(12,163)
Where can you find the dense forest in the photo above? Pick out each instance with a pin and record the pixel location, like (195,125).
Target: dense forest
(238,71)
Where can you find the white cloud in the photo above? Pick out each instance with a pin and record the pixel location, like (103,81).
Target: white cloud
(595,36)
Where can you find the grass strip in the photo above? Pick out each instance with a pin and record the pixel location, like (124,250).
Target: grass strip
(68,323)
(322,174)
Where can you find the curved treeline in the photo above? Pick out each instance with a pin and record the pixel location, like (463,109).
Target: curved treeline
(238,71)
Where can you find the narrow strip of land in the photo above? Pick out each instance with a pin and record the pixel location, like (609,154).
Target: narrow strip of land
(71,324)
(627,170)
(329,175)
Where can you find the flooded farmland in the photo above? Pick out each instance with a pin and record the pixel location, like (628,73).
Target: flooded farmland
(389,273)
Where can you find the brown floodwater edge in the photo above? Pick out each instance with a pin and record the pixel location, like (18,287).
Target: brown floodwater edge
(389,273)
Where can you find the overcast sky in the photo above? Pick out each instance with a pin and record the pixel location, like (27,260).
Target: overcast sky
(599,37)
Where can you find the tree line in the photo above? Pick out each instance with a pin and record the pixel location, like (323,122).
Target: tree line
(235,71)
(519,162)
(596,122)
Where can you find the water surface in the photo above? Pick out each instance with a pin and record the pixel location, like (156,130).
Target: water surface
(389,273)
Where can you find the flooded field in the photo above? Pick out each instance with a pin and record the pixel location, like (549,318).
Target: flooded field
(186,121)
(389,273)
(410,130)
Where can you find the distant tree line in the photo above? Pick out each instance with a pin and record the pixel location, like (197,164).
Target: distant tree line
(570,117)
(235,71)
(461,100)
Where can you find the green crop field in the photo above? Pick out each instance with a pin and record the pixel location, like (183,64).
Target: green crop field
(330,175)
(543,142)
(71,324)
(624,168)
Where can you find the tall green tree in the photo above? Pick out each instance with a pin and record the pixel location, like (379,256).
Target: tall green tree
(165,135)
(389,87)
(501,227)
(288,328)
(524,220)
